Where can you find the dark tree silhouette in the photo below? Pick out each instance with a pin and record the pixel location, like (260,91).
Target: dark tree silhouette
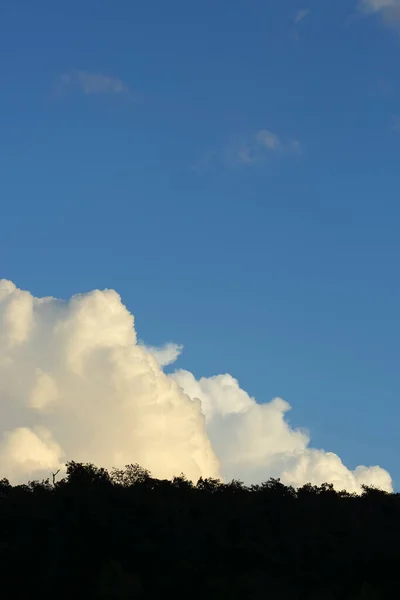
(124,534)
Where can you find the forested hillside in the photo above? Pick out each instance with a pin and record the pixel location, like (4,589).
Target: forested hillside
(124,534)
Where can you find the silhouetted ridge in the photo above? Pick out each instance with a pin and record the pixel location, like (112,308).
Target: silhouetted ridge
(125,534)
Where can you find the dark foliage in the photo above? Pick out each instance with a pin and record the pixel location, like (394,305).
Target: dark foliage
(125,534)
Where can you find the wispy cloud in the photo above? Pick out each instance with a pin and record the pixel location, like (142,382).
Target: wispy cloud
(377,5)
(260,146)
(92,83)
(255,148)
(396,123)
(388,9)
(301,15)
(297,22)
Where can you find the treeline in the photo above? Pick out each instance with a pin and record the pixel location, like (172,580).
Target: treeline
(124,534)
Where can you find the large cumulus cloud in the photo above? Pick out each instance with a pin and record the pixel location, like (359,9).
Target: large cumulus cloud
(254,441)
(76,384)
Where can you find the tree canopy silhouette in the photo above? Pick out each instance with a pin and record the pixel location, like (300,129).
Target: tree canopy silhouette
(124,534)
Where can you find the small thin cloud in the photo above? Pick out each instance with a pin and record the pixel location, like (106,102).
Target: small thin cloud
(92,83)
(372,6)
(389,10)
(269,139)
(251,149)
(301,15)
(297,22)
(395,123)
(261,145)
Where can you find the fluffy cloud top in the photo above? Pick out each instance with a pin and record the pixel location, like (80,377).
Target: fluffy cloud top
(254,441)
(166,355)
(76,384)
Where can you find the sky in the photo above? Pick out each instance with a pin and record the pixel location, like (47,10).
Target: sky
(231,170)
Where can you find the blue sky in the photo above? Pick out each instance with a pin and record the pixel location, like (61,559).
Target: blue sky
(232,170)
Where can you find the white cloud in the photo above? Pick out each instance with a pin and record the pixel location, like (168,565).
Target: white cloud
(27,451)
(395,123)
(44,392)
(75,384)
(269,140)
(93,83)
(377,5)
(254,441)
(261,145)
(78,372)
(301,15)
(388,9)
(166,355)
